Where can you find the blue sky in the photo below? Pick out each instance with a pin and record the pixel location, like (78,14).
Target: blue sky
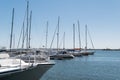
(101,16)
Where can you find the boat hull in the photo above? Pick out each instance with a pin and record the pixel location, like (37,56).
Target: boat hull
(87,53)
(61,57)
(32,73)
(77,54)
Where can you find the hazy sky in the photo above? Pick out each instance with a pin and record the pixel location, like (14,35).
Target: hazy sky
(101,16)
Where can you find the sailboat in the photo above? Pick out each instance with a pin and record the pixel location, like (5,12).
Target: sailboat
(74,52)
(17,69)
(14,68)
(60,54)
(86,52)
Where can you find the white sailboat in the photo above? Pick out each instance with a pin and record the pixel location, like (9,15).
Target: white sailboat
(14,68)
(74,52)
(60,54)
(85,51)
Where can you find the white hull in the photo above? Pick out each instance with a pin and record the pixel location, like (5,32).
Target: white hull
(31,73)
(62,56)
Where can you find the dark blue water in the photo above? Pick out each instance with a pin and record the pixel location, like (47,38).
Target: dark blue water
(103,65)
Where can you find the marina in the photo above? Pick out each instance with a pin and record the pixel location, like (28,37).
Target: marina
(59,40)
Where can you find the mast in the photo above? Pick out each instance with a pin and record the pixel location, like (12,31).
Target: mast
(46,34)
(30,28)
(64,40)
(13,41)
(58,34)
(11,35)
(85,37)
(74,36)
(27,25)
(23,36)
(79,35)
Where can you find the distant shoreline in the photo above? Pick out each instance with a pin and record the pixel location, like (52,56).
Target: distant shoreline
(2,50)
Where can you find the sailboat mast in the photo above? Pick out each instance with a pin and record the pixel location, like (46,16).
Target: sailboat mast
(30,28)
(12,29)
(64,40)
(27,25)
(73,36)
(46,34)
(13,40)
(23,37)
(86,37)
(79,35)
(58,34)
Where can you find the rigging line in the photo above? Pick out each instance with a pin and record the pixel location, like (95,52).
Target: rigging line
(90,39)
(53,37)
(22,29)
(19,37)
(61,40)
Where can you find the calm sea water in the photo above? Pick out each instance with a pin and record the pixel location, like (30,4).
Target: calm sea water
(103,65)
